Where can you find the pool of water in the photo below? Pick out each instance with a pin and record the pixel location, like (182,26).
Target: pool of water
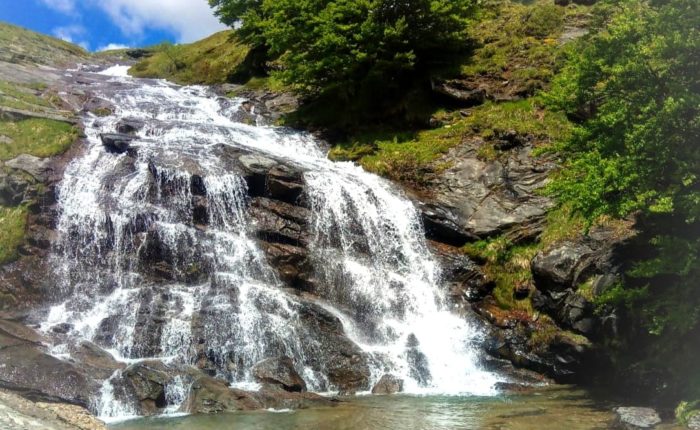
(554,407)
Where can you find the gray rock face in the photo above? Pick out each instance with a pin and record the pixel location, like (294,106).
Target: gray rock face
(388,384)
(27,369)
(560,267)
(37,167)
(12,190)
(279,373)
(476,198)
(694,422)
(635,418)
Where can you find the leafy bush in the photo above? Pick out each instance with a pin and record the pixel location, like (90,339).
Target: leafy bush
(633,86)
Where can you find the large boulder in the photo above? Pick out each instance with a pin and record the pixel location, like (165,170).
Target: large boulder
(636,418)
(38,168)
(210,395)
(278,373)
(477,198)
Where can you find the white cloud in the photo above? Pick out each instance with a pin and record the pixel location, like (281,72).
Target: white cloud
(189,20)
(65,6)
(112,46)
(72,34)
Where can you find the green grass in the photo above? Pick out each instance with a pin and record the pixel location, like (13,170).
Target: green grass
(410,156)
(26,97)
(508,264)
(21,45)
(37,136)
(523,116)
(516,42)
(12,227)
(548,332)
(209,61)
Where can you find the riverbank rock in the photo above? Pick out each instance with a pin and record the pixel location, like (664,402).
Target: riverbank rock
(39,376)
(278,373)
(388,384)
(636,418)
(19,413)
(38,168)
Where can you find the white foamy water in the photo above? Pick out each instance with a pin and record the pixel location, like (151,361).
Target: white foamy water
(125,217)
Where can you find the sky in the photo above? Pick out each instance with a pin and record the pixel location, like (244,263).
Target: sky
(108,24)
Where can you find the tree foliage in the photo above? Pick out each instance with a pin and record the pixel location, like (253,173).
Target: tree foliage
(347,47)
(634,87)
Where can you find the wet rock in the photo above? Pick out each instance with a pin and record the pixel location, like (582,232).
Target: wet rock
(343,362)
(417,361)
(256,168)
(280,222)
(24,284)
(279,372)
(286,184)
(466,280)
(117,143)
(129,126)
(388,384)
(147,381)
(41,377)
(96,360)
(39,168)
(635,418)
(209,395)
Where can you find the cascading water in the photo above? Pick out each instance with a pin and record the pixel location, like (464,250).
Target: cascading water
(223,301)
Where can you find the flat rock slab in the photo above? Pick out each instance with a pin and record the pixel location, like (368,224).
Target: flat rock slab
(39,168)
(19,413)
(634,418)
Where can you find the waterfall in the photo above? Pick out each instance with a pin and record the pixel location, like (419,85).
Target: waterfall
(125,217)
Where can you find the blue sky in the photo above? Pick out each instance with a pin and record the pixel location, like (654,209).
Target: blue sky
(98,24)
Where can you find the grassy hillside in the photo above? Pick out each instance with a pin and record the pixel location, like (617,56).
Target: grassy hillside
(23,86)
(215,59)
(25,46)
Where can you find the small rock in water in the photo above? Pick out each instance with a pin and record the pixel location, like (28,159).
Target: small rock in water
(388,384)
(129,126)
(634,418)
(117,143)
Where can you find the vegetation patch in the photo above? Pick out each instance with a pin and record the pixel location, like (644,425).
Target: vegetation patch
(36,136)
(13,223)
(216,59)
